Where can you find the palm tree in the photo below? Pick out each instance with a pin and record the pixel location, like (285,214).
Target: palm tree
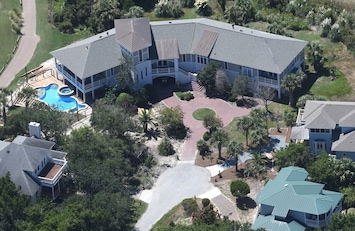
(259,136)
(146,118)
(27,93)
(315,54)
(244,124)
(234,149)
(291,82)
(258,159)
(219,138)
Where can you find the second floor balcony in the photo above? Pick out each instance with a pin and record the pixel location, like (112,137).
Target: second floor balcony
(52,172)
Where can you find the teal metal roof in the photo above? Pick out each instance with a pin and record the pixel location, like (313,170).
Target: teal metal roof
(270,224)
(289,191)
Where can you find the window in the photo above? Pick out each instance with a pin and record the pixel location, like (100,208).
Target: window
(141,74)
(146,71)
(225,65)
(184,58)
(137,78)
(319,147)
(198,59)
(140,56)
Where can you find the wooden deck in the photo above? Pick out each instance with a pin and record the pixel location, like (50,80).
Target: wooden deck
(50,170)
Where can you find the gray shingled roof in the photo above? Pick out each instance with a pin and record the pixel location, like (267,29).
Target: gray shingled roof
(34,142)
(327,114)
(92,55)
(241,46)
(20,160)
(345,143)
(289,191)
(133,33)
(167,49)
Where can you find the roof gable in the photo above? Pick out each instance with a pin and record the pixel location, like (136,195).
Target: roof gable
(206,43)
(167,49)
(134,33)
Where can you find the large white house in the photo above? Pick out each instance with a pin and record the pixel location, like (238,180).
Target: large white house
(176,49)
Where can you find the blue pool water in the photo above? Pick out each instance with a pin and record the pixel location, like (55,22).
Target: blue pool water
(50,95)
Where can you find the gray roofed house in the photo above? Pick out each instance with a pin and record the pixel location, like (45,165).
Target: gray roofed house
(331,127)
(174,49)
(33,165)
(294,203)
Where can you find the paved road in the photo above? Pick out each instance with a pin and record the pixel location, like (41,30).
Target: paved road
(185,180)
(27,44)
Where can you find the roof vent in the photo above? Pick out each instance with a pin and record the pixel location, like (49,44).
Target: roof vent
(107,32)
(286,185)
(86,47)
(170,22)
(100,36)
(241,30)
(233,26)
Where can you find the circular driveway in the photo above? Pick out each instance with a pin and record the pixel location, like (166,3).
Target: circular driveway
(187,180)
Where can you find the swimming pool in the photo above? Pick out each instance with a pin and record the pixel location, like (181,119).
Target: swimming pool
(49,95)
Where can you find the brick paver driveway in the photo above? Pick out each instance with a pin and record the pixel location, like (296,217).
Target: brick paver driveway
(223,110)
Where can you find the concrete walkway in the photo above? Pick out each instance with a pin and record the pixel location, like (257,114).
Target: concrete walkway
(27,44)
(187,180)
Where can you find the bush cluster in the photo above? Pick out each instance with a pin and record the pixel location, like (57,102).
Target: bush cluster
(189,205)
(165,148)
(185,95)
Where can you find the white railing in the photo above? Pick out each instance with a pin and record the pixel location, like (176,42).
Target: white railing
(163,70)
(268,80)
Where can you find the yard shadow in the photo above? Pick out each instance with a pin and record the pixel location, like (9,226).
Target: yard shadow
(245,203)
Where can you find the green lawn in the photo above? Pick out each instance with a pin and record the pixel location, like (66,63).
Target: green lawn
(8,37)
(233,133)
(139,208)
(50,39)
(200,113)
(332,90)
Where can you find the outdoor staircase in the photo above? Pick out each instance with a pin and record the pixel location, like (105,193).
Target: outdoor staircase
(198,90)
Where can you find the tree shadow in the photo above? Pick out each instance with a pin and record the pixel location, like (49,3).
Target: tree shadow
(245,203)
(153,134)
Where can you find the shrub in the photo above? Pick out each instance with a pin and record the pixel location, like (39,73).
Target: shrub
(189,205)
(127,103)
(205,202)
(166,9)
(203,8)
(297,25)
(206,136)
(203,147)
(185,95)
(165,148)
(239,188)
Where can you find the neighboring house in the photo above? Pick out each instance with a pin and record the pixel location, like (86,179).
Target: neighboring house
(33,166)
(331,127)
(290,202)
(177,49)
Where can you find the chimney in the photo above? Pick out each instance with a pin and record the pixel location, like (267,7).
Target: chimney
(35,129)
